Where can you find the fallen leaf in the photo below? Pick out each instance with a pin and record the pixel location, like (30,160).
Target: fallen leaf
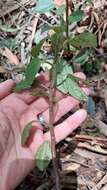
(102,127)
(9,55)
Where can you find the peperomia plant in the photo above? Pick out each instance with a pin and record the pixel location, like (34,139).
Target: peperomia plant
(60,73)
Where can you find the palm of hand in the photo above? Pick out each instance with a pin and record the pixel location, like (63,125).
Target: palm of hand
(16,111)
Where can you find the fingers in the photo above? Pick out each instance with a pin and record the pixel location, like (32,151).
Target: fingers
(42,104)
(26,94)
(44,78)
(80,75)
(6,88)
(70,124)
(59,2)
(63,106)
(16,104)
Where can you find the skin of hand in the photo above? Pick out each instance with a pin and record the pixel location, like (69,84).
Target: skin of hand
(18,109)
(59,2)
(62,2)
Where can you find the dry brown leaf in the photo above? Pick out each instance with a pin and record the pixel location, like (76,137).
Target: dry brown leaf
(105,98)
(10,56)
(100,183)
(95,148)
(102,127)
(99,3)
(2,70)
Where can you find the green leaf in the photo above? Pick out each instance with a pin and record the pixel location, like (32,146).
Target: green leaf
(43,156)
(76,16)
(63,69)
(74,90)
(70,86)
(60,10)
(44,6)
(31,70)
(85,39)
(26,133)
(57,41)
(82,58)
(89,1)
(62,87)
(22,86)
(36,50)
(59,29)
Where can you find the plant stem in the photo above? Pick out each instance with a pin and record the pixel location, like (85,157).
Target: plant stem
(67,23)
(51,122)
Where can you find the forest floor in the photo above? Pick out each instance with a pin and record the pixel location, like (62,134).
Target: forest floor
(83,155)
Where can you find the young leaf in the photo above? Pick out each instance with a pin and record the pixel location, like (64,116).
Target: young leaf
(76,16)
(26,133)
(43,156)
(31,70)
(85,39)
(44,6)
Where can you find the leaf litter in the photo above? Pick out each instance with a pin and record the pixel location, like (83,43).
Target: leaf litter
(87,161)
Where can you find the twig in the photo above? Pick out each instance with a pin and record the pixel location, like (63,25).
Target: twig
(13,7)
(101,182)
(33,15)
(87,137)
(67,23)
(51,126)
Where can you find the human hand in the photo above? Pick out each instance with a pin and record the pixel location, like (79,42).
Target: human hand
(59,2)
(16,110)
(62,2)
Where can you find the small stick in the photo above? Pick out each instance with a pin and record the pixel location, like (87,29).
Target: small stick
(67,23)
(51,126)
